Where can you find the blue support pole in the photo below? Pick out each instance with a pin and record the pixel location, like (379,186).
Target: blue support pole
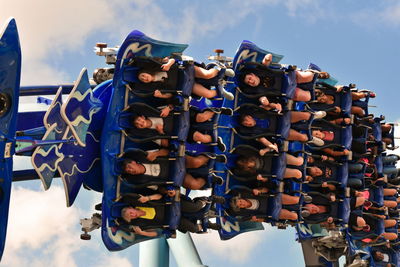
(154,253)
(184,251)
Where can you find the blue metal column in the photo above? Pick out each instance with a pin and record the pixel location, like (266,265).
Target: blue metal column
(154,253)
(184,251)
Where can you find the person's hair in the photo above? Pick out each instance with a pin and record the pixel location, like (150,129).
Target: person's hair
(233,204)
(241,76)
(318,93)
(123,213)
(308,171)
(375,256)
(134,118)
(242,118)
(125,163)
(242,163)
(145,71)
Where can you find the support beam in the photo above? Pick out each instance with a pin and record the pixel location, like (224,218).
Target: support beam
(154,253)
(184,251)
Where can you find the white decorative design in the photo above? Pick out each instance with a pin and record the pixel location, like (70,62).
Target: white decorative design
(60,157)
(134,47)
(120,235)
(245,55)
(77,95)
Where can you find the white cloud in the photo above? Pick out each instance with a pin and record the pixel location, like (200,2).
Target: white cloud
(52,27)
(48,29)
(114,261)
(210,244)
(384,14)
(391,15)
(41,230)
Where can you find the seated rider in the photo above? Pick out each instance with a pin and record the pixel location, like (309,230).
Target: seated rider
(329,100)
(256,120)
(368,223)
(144,214)
(259,79)
(164,73)
(153,166)
(201,130)
(252,206)
(323,208)
(251,166)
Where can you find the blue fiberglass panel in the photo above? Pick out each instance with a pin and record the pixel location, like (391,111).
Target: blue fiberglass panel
(10,70)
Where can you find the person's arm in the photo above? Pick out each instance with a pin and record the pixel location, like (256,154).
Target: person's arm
(158,94)
(264,101)
(331,187)
(265,104)
(152,155)
(164,142)
(149,233)
(334,153)
(261,179)
(382,217)
(165,111)
(260,190)
(255,219)
(144,199)
(339,88)
(267,144)
(160,128)
(167,66)
(267,60)
(340,121)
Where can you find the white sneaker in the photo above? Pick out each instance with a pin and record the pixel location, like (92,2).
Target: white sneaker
(316,141)
(229,73)
(319,114)
(227,95)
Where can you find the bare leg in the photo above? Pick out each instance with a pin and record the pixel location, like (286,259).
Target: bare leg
(195,162)
(358,95)
(389,191)
(202,138)
(292,173)
(292,160)
(204,116)
(193,183)
(297,136)
(357,111)
(386,127)
(390,204)
(389,223)
(389,236)
(200,90)
(360,201)
(341,120)
(304,76)
(287,215)
(289,200)
(297,116)
(205,74)
(301,95)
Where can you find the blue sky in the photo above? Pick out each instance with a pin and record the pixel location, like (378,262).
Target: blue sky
(356,41)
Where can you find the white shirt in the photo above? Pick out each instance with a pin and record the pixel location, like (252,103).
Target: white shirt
(385,257)
(254,204)
(160,76)
(152,169)
(155,121)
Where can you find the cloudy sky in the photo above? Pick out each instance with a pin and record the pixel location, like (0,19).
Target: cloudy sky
(356,41)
